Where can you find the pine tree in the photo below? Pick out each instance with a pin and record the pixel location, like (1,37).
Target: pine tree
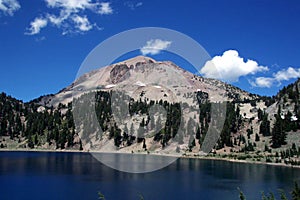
(80,146)
(142,124)
(278,133)
(256,137)
(144,144)
(264,197)
(36,139)
(282,195)
(241,195)
(101,196)
(296,192)
(191,142)
(117,136)
(260,114)
(198,133)
(264,128)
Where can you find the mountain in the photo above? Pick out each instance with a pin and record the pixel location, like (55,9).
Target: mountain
(144,79)
(144,73)
(143,105)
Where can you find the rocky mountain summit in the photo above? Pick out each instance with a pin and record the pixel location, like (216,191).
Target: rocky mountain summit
(145,74)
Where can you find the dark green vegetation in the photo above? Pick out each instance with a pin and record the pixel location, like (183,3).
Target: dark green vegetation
(295,193)
(31,127)
(127,136)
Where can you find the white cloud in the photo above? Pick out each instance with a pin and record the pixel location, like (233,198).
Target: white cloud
(58,20)
(105,8)
(230,66)
(282,75)
(285,75)
(82,23)
(262,82)
(9,7)
(72,17)
(154,47)
(78,5)
(36,25)
(68,4)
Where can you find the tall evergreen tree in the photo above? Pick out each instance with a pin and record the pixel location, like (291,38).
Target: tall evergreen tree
(265,125)
(278,133)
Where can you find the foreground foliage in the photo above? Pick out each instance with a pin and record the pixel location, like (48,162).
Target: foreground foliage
(295,193)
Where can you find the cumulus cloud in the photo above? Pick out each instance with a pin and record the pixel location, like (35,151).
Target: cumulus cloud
(282,75)
(154,47)
(72,17)
(36,25)
(9,7)
(230,66)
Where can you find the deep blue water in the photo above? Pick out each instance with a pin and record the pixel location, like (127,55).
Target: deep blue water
(43,175)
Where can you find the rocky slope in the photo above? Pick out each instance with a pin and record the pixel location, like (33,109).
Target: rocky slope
(145,79)
(145,74)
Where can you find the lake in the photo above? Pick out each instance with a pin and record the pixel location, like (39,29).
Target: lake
(58,175)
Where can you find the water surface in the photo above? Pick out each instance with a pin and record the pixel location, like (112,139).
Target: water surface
(52,175)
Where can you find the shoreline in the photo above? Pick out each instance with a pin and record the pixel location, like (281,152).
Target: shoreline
(242,161)
(156,154)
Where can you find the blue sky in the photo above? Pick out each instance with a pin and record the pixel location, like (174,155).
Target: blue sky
(44,42)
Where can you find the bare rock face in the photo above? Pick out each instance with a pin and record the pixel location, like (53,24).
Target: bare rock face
(144,73)
(119,73)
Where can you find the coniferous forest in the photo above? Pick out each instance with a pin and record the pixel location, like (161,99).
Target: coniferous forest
(31,125)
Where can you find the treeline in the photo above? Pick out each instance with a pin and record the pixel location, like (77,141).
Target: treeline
(55,126)
(232,125)
(289,92)
(289,121)
(128,135)
(11,111)
(32,127)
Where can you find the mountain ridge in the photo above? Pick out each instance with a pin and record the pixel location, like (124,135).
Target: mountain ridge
(107,77)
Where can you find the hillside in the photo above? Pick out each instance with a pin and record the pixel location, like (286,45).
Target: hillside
(142,105)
